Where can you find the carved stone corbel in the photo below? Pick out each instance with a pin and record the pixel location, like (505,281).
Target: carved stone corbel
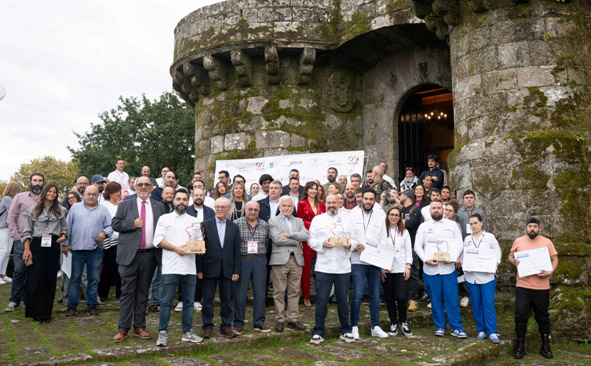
(216,70)
(272,65)
(307,58)
(243,67)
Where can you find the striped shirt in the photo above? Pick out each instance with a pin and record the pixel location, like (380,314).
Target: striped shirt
(258,233)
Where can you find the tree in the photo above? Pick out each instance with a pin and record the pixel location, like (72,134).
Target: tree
(58,172)
(156,133)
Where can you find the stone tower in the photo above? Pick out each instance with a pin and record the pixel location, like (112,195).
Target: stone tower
(271,77)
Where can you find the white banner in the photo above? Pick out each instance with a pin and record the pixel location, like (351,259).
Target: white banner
(310,166)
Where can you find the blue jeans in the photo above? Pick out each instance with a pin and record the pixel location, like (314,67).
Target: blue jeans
(444,288)
(482,297)
(255,269)
(366,275)
(170,283)
(156,287)
(19,276)
(92,259)
(323,283)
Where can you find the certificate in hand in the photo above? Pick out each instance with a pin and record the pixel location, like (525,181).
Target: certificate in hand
(533,261)
(377,256)
(441,249)
(479,260)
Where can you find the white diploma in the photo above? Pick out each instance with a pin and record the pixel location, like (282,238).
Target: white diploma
(379,256)
(67,264)
(533,261)
(479,260)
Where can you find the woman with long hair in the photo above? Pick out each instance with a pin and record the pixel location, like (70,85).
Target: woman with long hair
(110,270)
(5,240)
(420,197)
(321,193)
(395,280)
(45,230)
(254,189)
(221,189)
(309,206)
(71,199)
(237,202)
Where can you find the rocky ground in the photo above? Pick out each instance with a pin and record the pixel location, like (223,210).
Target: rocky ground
(87,340)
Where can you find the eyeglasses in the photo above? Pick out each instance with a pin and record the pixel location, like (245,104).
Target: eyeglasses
(143,185)
(393,215)
(220,207)
(252,209)
(71,198)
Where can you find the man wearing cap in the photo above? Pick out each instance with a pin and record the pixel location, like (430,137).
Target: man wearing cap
(99,182)
(412,220)
(410,180)
(533,292)
(118,175)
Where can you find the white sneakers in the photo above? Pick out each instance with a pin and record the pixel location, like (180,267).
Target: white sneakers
(378,332)
(179,307)
(197,306)
(355,332)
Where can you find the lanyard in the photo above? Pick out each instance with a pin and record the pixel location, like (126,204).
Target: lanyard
(368,220)
(479,240)
(392,234)
(252,231)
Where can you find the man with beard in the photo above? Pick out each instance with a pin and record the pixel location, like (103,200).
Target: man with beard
(371,225)
(350,200)
(369,178)
(412,220)
(333,267)
(170,180)
(173,232)
(167,197)
(434,172)
(533,292)
(441,236)
(81,184)
(99,182)
(331,174)
(434,194)
(16,224)
(137,257)
(208,201)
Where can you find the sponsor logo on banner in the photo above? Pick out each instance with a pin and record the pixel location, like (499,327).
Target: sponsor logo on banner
(291,163)
(353,159)
(260,165)
(271,165)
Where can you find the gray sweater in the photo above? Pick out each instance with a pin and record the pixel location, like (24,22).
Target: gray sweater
(4,206)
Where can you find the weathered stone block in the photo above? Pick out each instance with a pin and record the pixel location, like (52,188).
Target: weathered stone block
(235,141)
(217,144)
(297,141)
(499,80)
(256,104)
(535,76)
(268,139)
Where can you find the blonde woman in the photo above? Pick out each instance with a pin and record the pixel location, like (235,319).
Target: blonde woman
(237,202)
(5,240)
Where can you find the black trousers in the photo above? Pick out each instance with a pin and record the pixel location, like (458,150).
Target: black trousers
(396,289)
(109,274)
(526,300)
(42,278)
(209,286)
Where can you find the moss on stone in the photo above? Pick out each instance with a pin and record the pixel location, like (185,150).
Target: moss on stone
(529,177)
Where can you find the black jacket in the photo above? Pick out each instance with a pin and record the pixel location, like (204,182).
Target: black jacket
(216,260)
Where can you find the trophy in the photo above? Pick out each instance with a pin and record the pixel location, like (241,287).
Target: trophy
(338,240)
(194,246)
(442,253)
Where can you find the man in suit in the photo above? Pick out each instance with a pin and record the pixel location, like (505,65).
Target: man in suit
(287,258)
(294,173)
(137,257)
(220,264)
(270,204)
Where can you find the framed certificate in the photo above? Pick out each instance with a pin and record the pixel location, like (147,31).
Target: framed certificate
(378,256)
(479,260)
(533,261)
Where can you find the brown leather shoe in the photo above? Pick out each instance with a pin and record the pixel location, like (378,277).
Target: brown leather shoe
(263,329)
(296,325)
(141,332)
(120,337)
(237,330)
(228,333)
(279,326)
(207,333)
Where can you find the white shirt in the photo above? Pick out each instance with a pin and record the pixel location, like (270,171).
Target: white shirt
(426,213)
(199,215)
(402,250)
(112,210)
(331,260)
(295,198)
(119,177)
(388,179)
(149,224)
(160,182)
(209,202)
(432,232)
(261,195)
(173,228)
(273,206)
(488,241)
(371,228)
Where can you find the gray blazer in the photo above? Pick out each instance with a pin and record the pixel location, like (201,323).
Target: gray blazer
(129,236)
(282,245)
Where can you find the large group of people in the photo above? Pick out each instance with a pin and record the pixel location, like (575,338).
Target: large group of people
(135,234)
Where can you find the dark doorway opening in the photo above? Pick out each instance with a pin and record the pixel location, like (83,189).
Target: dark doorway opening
(425,127)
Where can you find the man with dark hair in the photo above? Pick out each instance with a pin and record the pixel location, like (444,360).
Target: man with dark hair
(331,174)
(533,292)
(412,220)
(81,184)
(295,190)
(435,173)
(368,178)
(224,177)
(146,173)
(410,179)
(15,220)
(196,176)
(118,175)
(294,173)
(209,202)
(356,180)
(264,181)
(99,182)
(434,194)
(171,179)
(350,201)
(469,208)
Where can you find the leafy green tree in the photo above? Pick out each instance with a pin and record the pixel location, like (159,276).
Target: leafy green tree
(61,173)
(156,133)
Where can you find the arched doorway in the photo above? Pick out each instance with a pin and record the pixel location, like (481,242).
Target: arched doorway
(425,126)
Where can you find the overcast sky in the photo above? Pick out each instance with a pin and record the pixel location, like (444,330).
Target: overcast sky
(63,62)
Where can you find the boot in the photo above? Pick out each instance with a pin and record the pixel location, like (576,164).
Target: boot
(519,350)
(545,348)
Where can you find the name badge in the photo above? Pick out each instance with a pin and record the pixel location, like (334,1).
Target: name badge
(253,247)
(468,230)
(46,241)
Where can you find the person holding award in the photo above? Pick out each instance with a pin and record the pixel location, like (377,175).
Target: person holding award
(481,284)
(174,233)
(439,244)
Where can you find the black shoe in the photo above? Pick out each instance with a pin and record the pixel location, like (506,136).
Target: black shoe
(93,311)
(70,312)
(519,350)
(545,348)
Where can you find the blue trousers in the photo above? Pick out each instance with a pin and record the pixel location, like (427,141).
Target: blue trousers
(366,275)
(444,288)
(170,282)
(19,275)
(255,269)
(92,259)
(482,297)
(323,283)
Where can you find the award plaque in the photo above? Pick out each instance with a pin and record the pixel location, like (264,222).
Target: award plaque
(442,253)
(338,241)
(196,247)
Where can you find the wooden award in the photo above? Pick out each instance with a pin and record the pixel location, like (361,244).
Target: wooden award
(441,256)
(196,247)
(442,253)
(338,241)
